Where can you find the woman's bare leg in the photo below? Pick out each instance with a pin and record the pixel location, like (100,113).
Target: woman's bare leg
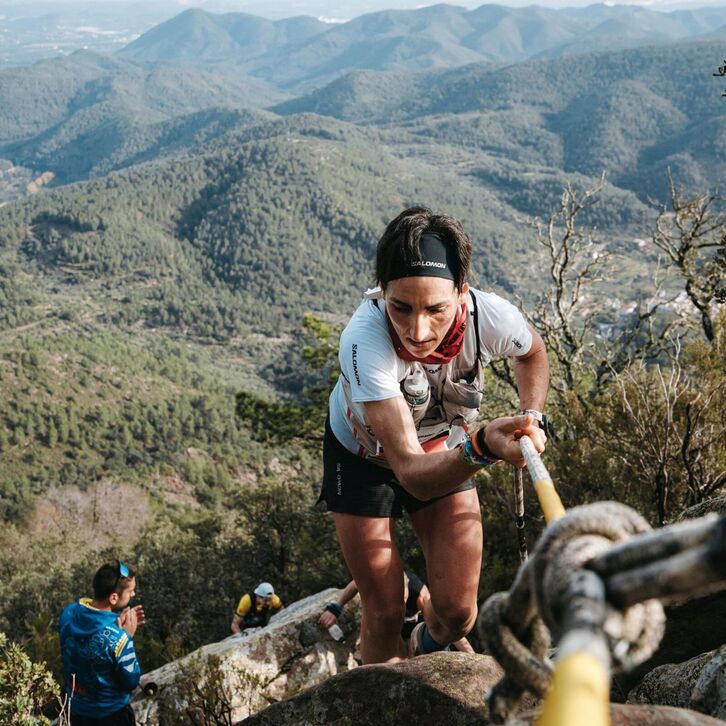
(374,563)
(450,532)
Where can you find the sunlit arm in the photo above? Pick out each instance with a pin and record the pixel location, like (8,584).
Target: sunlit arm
(428,475)
(532,374)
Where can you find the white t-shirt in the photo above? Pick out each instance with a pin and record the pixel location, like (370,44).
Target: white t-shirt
(369,363)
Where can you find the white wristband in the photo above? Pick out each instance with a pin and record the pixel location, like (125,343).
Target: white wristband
(537,415)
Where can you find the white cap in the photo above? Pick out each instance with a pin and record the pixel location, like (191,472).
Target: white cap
(264,589)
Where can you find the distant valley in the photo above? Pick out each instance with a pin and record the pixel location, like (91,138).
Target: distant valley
(194,195)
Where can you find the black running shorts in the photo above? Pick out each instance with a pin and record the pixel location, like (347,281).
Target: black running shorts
(354,485)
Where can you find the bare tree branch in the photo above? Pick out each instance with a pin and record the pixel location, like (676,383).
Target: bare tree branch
(692,234)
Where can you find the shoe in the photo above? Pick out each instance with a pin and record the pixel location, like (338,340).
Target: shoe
(414,642)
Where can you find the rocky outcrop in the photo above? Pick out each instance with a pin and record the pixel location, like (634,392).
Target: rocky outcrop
(257,667)
(443,688)
(699,684)
(293,674)
(717,505)
(293,659)
(709,693)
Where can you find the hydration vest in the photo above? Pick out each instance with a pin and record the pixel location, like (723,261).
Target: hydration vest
(455,397)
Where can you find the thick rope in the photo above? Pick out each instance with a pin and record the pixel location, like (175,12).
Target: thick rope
(569,544)
(527,663)
(510,625)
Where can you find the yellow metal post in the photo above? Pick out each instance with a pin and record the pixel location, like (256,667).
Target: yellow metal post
(549,500)
(579,695)
(580,691)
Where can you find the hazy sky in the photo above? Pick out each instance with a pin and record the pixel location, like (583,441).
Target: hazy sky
(284,8)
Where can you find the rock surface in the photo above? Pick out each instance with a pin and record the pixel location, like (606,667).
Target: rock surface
(716,504)
(698,684)
(262,665)
(627,715)
(440,689)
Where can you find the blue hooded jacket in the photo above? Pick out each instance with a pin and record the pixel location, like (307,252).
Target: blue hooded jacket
(101,655)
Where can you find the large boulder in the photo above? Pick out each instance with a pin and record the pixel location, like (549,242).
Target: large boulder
(699,684)
(715,504)
(442,688)
(257,667)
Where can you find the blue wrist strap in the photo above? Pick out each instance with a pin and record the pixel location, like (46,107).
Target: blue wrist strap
(468,455)
(335,608)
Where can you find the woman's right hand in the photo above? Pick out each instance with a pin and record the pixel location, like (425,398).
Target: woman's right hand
(502,437)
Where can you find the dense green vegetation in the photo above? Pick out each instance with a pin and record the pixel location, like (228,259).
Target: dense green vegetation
(631,114)
(266,223)
(78,407)
(87,114)
(25,687)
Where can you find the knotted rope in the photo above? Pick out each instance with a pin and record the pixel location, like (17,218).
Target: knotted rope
(516,626)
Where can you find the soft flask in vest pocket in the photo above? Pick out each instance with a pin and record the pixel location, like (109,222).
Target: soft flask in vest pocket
(462,399)
(417,392)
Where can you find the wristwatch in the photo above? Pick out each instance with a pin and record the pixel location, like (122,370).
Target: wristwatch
(538,416)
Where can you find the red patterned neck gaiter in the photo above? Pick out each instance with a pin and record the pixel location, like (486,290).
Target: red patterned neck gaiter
(448,348)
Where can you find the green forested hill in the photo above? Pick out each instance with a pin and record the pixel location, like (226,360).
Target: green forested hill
(87,114)
(79,150)
(268,221)
(37,98)
(681,75)
(200,37)
(630,113)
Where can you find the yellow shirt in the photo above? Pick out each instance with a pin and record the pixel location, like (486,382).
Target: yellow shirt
(245,605)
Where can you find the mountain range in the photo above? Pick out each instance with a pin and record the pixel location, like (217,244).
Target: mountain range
(298,54)
(630,113)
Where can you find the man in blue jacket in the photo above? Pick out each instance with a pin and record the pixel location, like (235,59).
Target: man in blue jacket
(97,647)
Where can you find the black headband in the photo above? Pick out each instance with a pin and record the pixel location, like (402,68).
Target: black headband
(435,260)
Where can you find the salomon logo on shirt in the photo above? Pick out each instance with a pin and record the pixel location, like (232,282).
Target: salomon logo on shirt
(355,364)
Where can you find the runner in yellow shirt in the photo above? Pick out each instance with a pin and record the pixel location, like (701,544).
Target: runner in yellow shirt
(255,608)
